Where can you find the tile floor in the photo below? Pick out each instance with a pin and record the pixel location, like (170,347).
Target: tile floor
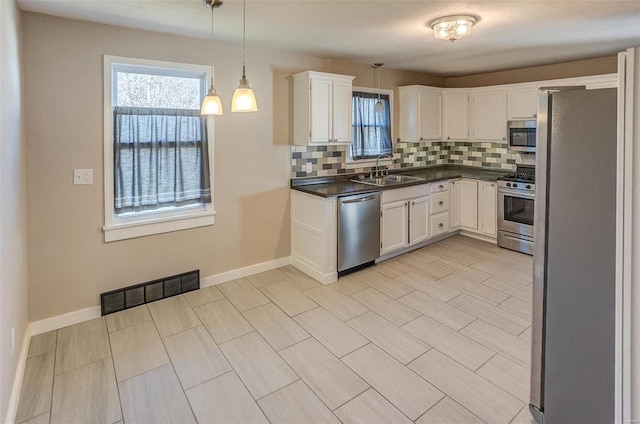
(439,335)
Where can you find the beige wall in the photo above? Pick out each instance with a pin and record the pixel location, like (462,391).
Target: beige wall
(69,262)
(13,226)
(603,65)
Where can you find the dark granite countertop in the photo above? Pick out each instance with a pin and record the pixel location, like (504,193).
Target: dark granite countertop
(341,185)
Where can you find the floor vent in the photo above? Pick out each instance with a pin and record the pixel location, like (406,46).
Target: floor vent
(139,294)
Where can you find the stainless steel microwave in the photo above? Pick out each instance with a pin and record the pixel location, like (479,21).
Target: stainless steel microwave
(522,135)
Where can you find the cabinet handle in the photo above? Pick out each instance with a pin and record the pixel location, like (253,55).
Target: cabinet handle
(441,203)
(440,186)
(493,185)
(535,115)
(440,225)
(504,138)
(448,138)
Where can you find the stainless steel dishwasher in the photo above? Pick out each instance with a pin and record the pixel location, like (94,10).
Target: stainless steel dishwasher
(358,231)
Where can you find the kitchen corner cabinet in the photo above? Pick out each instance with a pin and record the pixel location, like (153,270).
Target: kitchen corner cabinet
(420,113)
(489,206)
(523,103)
(489,115)
(455,115)
(404,218)
(314,233)
(322,105)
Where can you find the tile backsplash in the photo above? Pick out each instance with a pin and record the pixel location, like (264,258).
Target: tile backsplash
(331,160)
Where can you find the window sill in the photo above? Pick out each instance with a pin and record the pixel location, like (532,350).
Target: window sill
(367,163)
(150,226)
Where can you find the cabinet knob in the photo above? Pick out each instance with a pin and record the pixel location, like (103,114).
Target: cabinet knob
(493,185)
(441,186)
(448,138)
(535,115)
(440,225)
(441,203)
(504,138)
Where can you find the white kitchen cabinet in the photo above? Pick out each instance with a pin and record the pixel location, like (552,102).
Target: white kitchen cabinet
(440,224)
(314,232)
(489,205)
(455,115)
(418,220)
(469,205)
(523,103)
(489,115)
(455,204)
(394,232)
(420,113)
(322,108)
(405,218)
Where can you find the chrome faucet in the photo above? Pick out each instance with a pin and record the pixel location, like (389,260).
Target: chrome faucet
(387,155)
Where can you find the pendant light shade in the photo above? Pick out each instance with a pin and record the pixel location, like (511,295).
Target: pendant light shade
(212,105)
(244,100)
(379,107)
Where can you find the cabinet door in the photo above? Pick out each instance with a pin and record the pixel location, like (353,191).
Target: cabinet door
(469,205)
(523,103)
(408,101)
(439,224)
(418,220)
(430,114)
(455,204)
(489,202)
(321,115)
(489,115)
(394,232)
(342,115)
(456,116)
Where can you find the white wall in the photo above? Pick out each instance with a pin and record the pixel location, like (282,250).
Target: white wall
(635,251)
(13,227)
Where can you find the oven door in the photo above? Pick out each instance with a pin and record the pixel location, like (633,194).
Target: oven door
(515,212)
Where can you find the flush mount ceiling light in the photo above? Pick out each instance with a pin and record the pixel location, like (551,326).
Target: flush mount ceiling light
(453,27)
(211,105)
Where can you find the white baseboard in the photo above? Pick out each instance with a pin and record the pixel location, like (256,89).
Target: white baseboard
(65,320)
(312,272)
(17,380)
(75,317)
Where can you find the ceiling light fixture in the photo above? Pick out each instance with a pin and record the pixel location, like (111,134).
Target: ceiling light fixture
(379,107)
(211,105)
(453,27)
(243,98)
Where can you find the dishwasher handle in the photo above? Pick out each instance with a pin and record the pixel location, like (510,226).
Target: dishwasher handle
(362,199)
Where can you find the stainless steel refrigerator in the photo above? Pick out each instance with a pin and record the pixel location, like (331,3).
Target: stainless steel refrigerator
(572,368)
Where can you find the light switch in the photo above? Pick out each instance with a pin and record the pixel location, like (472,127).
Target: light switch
(82,176)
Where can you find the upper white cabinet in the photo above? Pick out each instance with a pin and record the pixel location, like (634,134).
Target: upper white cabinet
(489,115)
(420,113)
(322,108)
(455,115)
(523,103)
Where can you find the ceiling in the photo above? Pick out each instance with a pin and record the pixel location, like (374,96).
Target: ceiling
(510,34)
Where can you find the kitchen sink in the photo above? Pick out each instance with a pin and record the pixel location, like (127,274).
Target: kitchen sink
(388,180)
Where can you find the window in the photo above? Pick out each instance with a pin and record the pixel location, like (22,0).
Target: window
(156,147)
(371,129)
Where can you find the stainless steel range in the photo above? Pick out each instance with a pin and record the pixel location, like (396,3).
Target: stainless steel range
(516,197)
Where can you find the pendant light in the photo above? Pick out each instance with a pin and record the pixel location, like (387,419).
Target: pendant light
(379,107)
(211,105)
(243,98)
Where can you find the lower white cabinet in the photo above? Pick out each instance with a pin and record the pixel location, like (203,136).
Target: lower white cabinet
(314,235)
(439,223)
(488,213)
(405,218)
(469,205)
(454,208)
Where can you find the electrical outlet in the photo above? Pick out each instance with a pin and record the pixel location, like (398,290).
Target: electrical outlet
(13,340)
(82,176)
(308,167)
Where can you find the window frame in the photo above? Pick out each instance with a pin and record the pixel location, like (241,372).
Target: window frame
(363,163)
(150,222)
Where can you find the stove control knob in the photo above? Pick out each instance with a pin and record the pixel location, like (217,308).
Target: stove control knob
(508,184)
(515,185)
(528,186)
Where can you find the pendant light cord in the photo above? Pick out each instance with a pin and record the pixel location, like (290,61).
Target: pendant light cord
(212,49)
(244,34)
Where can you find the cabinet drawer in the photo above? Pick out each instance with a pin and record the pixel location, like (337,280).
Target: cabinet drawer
(439,186)
(405,193)
(439,224)
(440,202)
